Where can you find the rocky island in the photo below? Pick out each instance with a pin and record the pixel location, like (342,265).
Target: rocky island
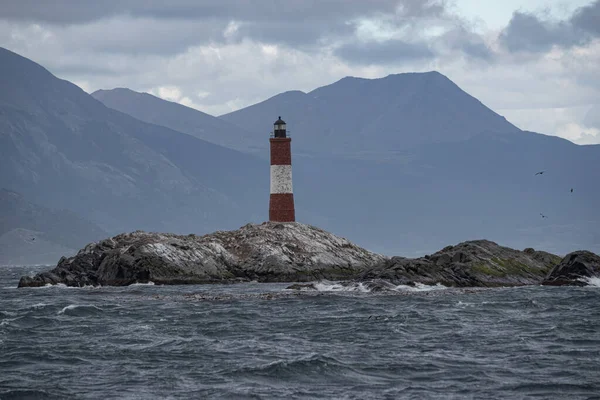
(268,252)
(295,252)
(576,269)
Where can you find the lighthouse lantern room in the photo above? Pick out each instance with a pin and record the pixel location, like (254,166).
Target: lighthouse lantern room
(281,200)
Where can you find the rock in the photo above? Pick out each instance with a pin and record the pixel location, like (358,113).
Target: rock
(575,269)
(302,286)
(468,264)
(269,252)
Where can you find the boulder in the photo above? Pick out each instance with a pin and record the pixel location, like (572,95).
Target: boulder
(575,269)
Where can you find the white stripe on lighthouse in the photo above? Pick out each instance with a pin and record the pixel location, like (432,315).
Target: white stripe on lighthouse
(281,179)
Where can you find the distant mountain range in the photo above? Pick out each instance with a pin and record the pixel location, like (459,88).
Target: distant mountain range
(154,110)
(365,116)
(63,149)
(401,165)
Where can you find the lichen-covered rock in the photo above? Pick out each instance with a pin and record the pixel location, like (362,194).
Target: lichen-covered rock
(269,252)
(468,264)
(575,269)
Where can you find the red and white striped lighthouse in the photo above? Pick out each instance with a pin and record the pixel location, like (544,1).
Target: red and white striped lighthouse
(281,201)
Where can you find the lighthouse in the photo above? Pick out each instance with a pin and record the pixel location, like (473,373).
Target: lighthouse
(281,201)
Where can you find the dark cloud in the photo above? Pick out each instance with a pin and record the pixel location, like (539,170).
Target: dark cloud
(295,33)
(469,43)
(293,22)
(141,36)
(77,11)
(587,19)
(388,52)
(527,32)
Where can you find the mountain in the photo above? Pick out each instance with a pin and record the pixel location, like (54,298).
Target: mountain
(460,185)
(30,233)
(148,108)
(415,200)
(363,116)
(63,149)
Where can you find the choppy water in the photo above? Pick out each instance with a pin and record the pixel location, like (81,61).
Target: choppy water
(262,341)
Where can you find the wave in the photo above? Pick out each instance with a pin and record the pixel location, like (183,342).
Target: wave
(311,366)
(7,321)
(62,286)
(149,283)
(369,287)
(421,287)
(80,310)
(593,281)
(340,287)
(27,394)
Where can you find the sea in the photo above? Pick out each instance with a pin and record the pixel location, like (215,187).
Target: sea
(264,341)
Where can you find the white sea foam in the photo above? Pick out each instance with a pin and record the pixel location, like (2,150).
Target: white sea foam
(338,287)
(420,287)
(593,281)
(63,286)
(76,306)
(49,286)
(7,321)
(150,283)
(367,287)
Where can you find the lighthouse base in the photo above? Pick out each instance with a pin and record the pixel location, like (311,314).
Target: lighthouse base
(281,207)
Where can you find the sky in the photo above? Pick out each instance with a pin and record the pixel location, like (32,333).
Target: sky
(535,62)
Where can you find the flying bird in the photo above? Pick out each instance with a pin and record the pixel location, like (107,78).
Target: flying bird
(543,216)
(571,190)
(540,173)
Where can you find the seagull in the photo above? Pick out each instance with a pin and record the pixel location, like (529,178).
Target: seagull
(540,173)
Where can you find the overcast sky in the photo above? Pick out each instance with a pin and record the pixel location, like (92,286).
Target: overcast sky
(535,62)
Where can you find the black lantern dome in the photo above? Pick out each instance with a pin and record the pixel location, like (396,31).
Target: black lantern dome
(279,128)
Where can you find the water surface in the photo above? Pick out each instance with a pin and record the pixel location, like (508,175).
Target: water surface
(262,341)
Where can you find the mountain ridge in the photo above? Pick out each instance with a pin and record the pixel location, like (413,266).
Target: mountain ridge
(127,175)
(62,148)
(149,108)
(390,113)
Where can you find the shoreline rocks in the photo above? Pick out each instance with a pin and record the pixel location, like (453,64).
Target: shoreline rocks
(295,252)
(477,263)
(268,252)
(574,270)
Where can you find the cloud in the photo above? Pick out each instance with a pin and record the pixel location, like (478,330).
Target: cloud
(528,32)
(592,118)
(468,43)
(388,52)
(220,55)
(587,19)
(579,134)
(64,12)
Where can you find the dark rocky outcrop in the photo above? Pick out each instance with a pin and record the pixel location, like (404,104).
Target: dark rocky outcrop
(269,252)
(289,252)
(575,269)
(473,263)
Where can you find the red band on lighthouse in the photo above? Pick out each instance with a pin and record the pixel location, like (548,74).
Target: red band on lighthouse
(281,202)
